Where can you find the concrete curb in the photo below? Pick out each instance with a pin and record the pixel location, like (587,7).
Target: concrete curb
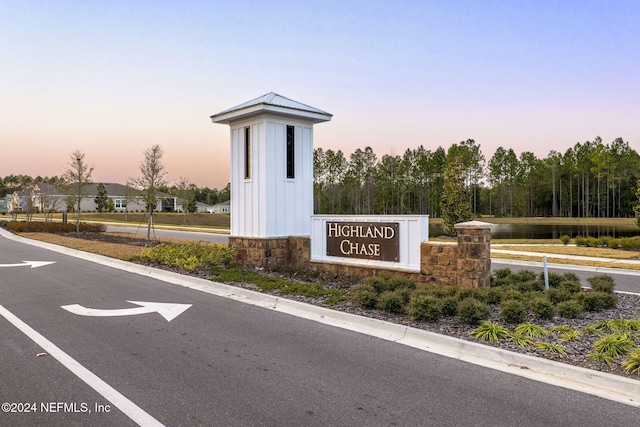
(607,386)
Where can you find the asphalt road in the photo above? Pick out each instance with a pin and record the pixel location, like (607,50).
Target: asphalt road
(222,362)
(626,280)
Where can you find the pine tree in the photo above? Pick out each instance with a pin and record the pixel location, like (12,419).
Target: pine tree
(636,208)
(102,199)
(456,205)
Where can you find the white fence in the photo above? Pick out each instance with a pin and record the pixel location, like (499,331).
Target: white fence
(412,230)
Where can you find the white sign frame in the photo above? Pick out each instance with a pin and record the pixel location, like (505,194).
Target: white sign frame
(413,230)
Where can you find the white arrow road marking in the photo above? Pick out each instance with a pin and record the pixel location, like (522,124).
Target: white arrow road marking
(167,310)
(33,264)
(130,409)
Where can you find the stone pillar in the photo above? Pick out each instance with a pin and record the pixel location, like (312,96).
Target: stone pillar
(474,254)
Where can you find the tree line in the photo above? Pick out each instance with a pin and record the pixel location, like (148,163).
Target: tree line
(590,179)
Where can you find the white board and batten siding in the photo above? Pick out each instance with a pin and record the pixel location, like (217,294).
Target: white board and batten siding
(412,230)
(274,205)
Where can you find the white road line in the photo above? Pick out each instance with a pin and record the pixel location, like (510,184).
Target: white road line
(129,408)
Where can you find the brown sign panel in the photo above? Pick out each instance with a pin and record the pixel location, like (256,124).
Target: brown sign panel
(370,240)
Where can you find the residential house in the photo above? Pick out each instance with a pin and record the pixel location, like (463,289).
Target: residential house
(223,207)
(48,197)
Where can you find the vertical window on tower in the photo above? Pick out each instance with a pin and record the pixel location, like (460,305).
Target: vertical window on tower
(247,153)
(290,152)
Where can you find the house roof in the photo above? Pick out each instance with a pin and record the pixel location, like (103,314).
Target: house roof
(272,103)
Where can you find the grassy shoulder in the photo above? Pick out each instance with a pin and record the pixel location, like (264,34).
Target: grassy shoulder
(203,220)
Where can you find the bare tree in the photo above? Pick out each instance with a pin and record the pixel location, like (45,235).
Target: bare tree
(14,206)
(187,193)
(30,206)
(76,178)
(152,176)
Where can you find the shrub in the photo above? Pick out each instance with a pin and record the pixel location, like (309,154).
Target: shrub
(425,307)
(630,243)
(531,285)
(523,276)
(542,308)
(572,277)
(512,294)
(580,241)
(450,306)
(440,291)
(190,256)
(473,311)
(490,295)
(565,239)
(557,295)
(387,282)
(602,283)
(53,227)
(570,286)
(392,301)
(500,277)
(365,295)
(597,301)
(513,311)
(502,273)
(465,293)
(554,279)
(570,309)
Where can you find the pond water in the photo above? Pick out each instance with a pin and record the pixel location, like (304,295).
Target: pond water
(549,231)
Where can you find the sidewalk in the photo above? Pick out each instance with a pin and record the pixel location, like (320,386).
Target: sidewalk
(611,265)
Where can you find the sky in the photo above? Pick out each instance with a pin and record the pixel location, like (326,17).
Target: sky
(113,78)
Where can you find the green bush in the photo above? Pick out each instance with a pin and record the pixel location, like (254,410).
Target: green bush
(425,307)
(565,239)
(570,309)
(365,295)
(450,306)
(554,279)
(580,241)
(512,294)
(570,286)
(523,276)
(542,308)
(473,311)
(602,283)
(558,295)
(630,243)
(53,227)
(439,291)
(490,295)
(387,282)
(513,311)
(189,256)
(465,293)
(597,301)
(502,273)
(391,301)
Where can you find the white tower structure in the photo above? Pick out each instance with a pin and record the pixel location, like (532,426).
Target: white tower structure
(271,166)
